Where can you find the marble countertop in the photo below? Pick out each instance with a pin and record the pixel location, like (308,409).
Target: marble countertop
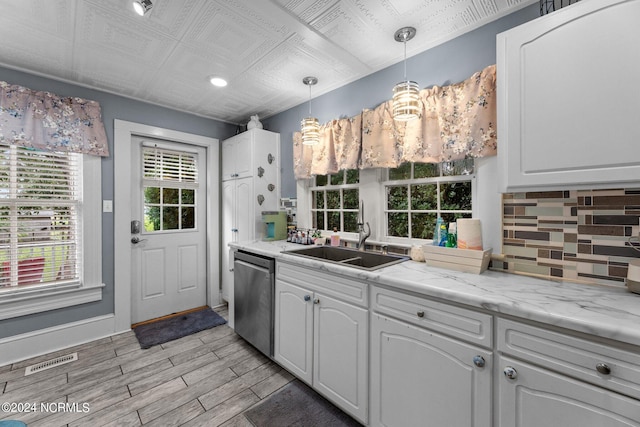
(605,311)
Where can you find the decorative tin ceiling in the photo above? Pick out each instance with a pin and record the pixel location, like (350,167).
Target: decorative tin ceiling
(262,47)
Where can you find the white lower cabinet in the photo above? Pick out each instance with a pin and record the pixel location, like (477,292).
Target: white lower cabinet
(532,397)
(322,340)
(547,378)
(395,358)
(420,378)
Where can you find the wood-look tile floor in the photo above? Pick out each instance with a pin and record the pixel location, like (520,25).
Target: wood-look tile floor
(205,379)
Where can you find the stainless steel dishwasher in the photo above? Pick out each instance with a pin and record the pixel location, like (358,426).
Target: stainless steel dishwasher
(253,296)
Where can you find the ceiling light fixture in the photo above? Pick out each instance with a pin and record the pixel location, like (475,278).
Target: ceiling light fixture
(217,81)
(142,6)
(406,94)
(310,127)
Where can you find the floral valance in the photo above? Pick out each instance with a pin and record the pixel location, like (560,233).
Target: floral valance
(339,149)
(457,121)
(45,121)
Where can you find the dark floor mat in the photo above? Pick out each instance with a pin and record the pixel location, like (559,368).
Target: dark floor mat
(177,327)
(297,405)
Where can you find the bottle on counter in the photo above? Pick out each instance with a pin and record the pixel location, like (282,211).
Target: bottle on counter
(443,235)
(451,236)
(335,237)
(437,232)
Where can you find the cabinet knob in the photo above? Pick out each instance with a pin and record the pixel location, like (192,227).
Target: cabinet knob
(603,368)
(270,158)
(316,301)
(420,313)
(307,297)
(235,230)
(479,361)
(510,373)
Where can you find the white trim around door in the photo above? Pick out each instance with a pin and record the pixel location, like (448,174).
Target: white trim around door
(123,131)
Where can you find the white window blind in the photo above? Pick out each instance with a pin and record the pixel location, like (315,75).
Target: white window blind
(40,207)
(166,168)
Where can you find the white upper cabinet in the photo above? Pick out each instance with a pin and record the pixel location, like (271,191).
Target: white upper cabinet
(569,106)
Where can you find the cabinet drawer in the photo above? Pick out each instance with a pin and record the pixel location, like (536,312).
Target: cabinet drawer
(454,321)
(330,284)
(572,356)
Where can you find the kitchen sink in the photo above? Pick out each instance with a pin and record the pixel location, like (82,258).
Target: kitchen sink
(348,257)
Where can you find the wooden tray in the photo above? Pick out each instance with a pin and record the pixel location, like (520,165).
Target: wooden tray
(467,260)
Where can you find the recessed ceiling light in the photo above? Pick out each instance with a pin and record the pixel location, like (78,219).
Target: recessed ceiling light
(218,81)
(142,6)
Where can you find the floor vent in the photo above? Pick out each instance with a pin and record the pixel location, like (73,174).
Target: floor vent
(43,366)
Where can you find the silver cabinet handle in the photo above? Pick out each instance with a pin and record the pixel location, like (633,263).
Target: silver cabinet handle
(271,187)
(260,199)
(479,361)
(420,313)
(234,230)
(307,297)
(316,301)
(260,171)
(270,158)
(510,373)
(603,368)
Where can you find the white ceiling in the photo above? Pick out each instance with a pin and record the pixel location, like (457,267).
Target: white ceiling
(262,47)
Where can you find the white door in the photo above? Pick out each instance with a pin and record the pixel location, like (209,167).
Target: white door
(418,375)
(168,198)
(340,367)
(293,335)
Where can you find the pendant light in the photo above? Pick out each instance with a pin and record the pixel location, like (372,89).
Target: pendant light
(406,95)
(142,6)
(309,126)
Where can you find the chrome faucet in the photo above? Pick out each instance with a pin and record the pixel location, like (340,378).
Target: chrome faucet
(362,235)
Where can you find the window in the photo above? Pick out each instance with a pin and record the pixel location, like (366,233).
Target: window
(50,230)
(416,194)
(40,201)
(170,182)
(335,200)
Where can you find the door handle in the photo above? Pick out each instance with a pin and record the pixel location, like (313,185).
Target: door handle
(135,240)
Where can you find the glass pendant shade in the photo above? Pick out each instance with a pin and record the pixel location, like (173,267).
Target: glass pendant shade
(310,129)
(406,94)
(406,101)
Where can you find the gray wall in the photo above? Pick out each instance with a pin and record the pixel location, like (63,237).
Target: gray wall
(113,107)
(449,63)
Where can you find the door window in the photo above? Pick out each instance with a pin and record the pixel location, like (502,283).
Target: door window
(170,180)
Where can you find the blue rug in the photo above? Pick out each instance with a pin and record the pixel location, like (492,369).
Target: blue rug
(177,327)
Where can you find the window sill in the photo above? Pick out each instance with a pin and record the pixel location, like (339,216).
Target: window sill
(16,304)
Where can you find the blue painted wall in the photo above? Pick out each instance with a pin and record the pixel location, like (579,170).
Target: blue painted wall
(448,63)
(113,107)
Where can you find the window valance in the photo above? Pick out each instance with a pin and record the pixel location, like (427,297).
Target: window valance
(457,121)
(48,122)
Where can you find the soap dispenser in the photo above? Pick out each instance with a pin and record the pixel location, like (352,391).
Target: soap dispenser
(335,237)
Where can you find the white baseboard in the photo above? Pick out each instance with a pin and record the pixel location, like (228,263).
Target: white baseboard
(20,347)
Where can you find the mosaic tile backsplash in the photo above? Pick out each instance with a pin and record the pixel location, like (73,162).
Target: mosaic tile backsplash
(586,235)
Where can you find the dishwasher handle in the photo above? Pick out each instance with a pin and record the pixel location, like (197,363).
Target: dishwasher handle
(264,262)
